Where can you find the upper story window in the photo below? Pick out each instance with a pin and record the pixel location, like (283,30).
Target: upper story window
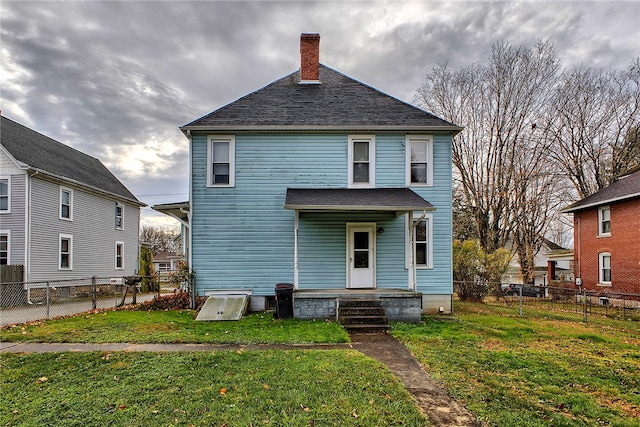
(119,216)
(4,248)
(422,241)
(604,268)
(221,161)
(604,221)
(66,204)
(5,195)
(419,161)
(362,161)
(119,255)
(65,251)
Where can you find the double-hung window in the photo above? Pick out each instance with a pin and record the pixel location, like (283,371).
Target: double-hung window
(66,204)
(119,255)
(221,161)
(119,216)
(4,247)
(419,162)
(5,194)
(604,221)
(362,161)
(65,251)
(421,240)
(604,268)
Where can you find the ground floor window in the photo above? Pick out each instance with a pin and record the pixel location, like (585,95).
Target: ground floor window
(119,255)
(4,248)
(604,267)
(422,241)
(65,252)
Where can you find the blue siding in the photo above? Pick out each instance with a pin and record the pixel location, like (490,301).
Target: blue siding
(243,237)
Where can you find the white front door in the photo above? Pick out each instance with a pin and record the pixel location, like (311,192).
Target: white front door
(361,255)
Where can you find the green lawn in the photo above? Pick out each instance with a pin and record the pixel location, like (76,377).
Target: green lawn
(513,371)
(224,388)
(175,327)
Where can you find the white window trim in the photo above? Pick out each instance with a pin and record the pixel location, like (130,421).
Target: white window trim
(70,238)
(116,256)
(428,139)
(211,139)
(121,226)
(70,191)
(8,234)
(601,281)
(8,210)
(600,219)
(371,139)
(409,241)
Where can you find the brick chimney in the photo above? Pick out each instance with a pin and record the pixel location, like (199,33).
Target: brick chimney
(309,58)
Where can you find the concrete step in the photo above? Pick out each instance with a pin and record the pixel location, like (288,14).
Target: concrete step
(364,315)
(360,320)
(367,328)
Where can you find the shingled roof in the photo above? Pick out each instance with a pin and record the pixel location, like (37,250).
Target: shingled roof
(337,102)
(355,199)
(624,188)
(40,153)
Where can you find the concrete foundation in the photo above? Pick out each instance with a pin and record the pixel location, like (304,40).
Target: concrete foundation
(437,304)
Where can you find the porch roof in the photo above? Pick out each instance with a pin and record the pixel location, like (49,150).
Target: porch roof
(355,199)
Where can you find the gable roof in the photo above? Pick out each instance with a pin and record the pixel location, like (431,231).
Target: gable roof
(624,188)
(337,103)
(37,152)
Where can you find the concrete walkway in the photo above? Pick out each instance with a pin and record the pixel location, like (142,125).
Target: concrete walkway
(432,399)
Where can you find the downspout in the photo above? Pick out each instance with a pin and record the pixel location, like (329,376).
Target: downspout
(296,216)
(189,255)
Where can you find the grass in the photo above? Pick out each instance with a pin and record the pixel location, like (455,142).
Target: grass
(225,388)
(174,327)
(532,371)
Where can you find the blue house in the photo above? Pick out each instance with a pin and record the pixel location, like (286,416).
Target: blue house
(323,182)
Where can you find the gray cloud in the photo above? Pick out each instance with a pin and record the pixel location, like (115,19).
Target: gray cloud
(116,79)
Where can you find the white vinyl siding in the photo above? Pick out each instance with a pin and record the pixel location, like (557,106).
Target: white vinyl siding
(5,195)
(362,161)
(221,161)
(93,231)
(419,161)
(66,204)
(604,221)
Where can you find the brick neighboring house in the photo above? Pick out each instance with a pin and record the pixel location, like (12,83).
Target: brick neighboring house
(607,237)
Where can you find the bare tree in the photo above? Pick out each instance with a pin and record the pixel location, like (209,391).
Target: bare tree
(162,239)
(593,122)
(496,155)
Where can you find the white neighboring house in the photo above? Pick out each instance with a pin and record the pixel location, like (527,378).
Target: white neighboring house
(550,260)
(63,214)
(167,261)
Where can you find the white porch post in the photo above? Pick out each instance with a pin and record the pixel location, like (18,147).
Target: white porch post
(295,248)
(412,255)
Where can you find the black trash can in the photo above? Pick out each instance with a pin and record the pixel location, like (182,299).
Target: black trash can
(284,301)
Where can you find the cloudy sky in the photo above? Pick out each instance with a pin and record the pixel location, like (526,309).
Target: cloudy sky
(116,79)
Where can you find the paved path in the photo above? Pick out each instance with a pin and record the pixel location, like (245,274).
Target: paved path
(432,399)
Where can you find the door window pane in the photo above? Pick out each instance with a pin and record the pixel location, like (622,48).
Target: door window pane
(361,240)
(361,259)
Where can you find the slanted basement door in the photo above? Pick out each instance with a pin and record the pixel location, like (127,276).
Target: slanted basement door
(223,307)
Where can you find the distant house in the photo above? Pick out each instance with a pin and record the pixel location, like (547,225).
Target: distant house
(607,237)
(63,214)
(553,265)
(167,261)
(325,183)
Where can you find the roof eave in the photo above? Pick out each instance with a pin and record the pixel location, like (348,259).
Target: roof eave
(573,208)
(357,208)
(449,130)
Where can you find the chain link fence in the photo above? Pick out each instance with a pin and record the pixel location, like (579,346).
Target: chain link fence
(22,302)
(566,302)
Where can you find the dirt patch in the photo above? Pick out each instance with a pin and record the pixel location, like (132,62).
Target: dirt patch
(433,400)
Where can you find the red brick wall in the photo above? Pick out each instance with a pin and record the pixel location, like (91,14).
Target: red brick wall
(623,244)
